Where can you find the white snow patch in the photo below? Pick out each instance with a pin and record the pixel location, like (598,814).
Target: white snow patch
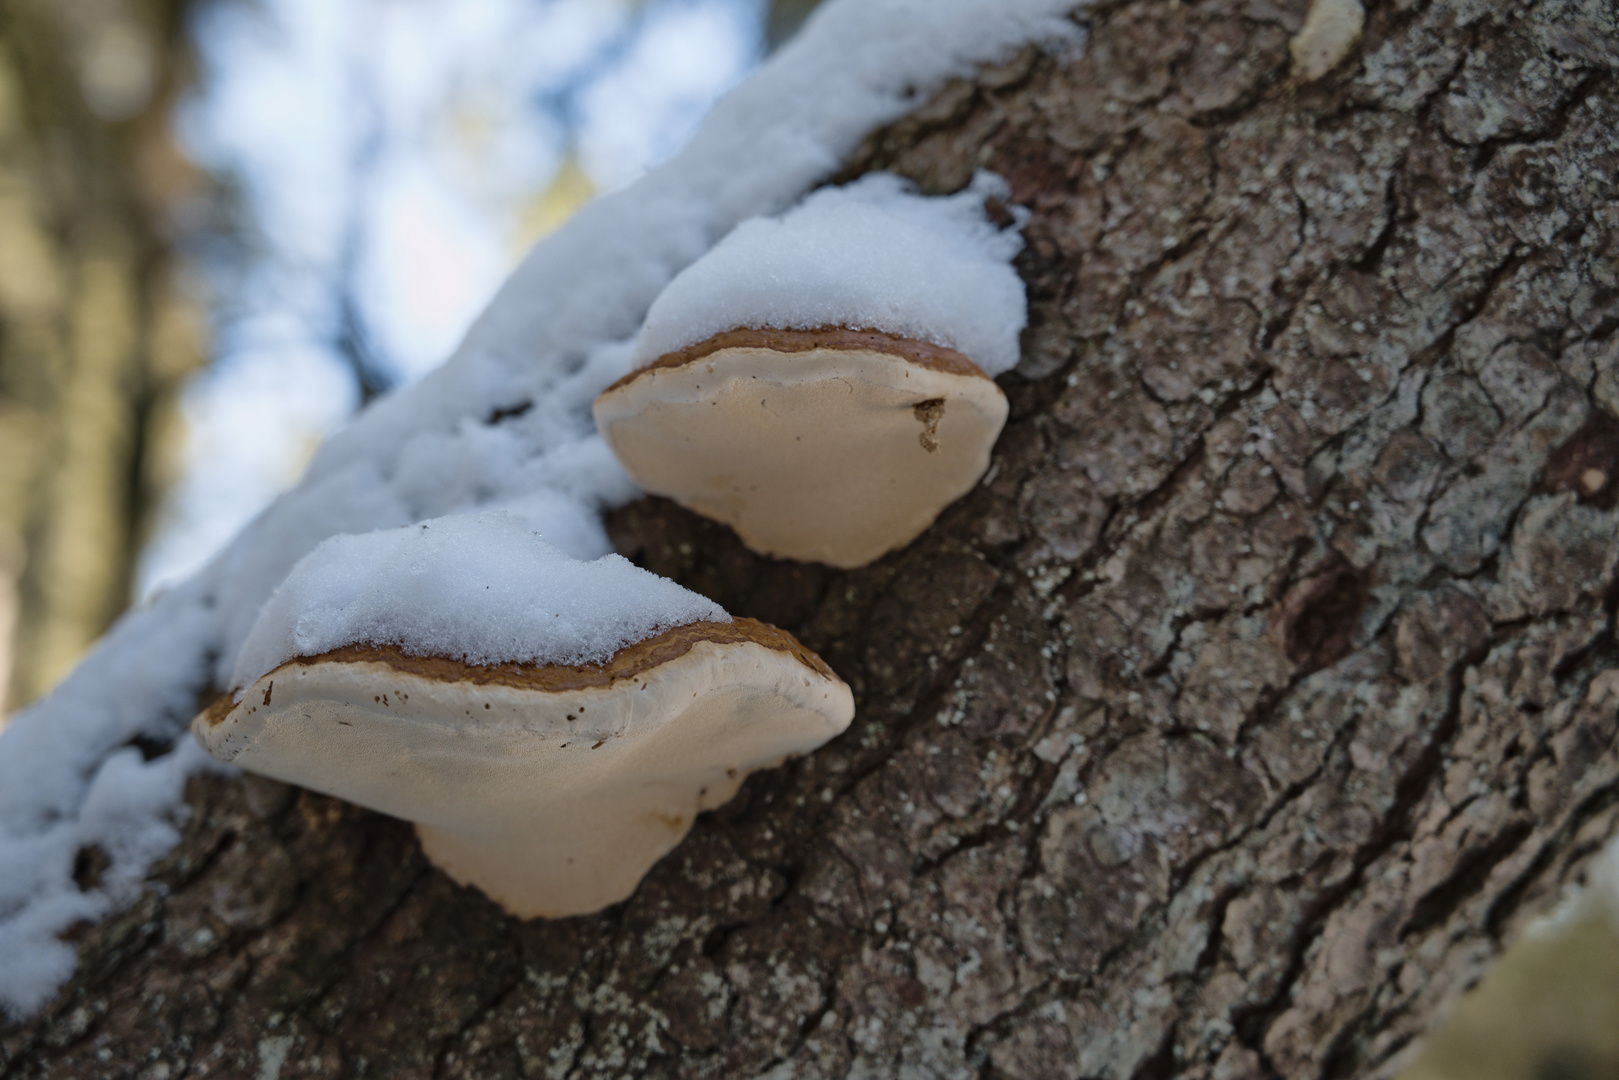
(874,256)
(483,588)
(504,424)
(653,98)
(70,781)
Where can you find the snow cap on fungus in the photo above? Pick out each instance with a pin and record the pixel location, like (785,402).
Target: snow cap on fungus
(822,382)
(551,775)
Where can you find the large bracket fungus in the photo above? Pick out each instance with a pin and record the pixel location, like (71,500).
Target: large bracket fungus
(822,382)
(551,786)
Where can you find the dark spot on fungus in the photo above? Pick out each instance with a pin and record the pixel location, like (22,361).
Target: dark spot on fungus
(267,689)
(598,744)
(929,413)
(1587,464)
(1318,618)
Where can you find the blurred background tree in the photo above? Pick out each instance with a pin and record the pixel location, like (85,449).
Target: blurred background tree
(95,332)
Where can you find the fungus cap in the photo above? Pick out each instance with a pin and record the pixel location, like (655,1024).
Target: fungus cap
(831,445)
(554,788)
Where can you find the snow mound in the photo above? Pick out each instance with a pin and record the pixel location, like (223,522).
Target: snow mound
(873,256)
(484,588)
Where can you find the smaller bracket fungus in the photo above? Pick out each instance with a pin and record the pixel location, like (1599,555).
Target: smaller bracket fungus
(832,445)
(823,382)
(553,786)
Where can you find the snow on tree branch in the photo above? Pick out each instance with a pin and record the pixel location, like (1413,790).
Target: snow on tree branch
(503,425)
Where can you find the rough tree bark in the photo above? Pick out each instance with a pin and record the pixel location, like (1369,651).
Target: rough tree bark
(1266,686)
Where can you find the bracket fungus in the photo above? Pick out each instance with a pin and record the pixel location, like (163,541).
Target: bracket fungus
(823,382)
(551,786)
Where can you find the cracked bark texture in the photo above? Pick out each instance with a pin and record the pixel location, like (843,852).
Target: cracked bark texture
(1265,688)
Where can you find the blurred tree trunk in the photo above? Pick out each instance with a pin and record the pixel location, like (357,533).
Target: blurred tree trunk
(785,17)
(93,334)
(1264,689)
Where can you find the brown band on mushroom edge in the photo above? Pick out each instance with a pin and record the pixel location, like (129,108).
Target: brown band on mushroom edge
(921,353)
(217,710)
(628,662)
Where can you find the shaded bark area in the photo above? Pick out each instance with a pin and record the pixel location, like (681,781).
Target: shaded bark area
(1266,686)
(95,336)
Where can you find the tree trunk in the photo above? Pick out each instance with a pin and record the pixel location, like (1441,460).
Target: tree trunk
(94,336)
(1262,691)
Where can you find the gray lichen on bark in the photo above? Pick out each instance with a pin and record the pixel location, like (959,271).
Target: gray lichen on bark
(1264,689)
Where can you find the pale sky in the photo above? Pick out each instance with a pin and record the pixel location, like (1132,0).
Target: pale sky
(401,154)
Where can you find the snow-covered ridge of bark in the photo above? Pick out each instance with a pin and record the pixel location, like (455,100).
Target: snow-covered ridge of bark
(870,255)
(505,421)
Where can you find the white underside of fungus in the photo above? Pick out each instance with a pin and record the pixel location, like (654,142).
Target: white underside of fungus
(551,789)
(835,455)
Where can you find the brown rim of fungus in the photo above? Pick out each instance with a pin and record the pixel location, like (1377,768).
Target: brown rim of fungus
(921,353)
(631,660)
